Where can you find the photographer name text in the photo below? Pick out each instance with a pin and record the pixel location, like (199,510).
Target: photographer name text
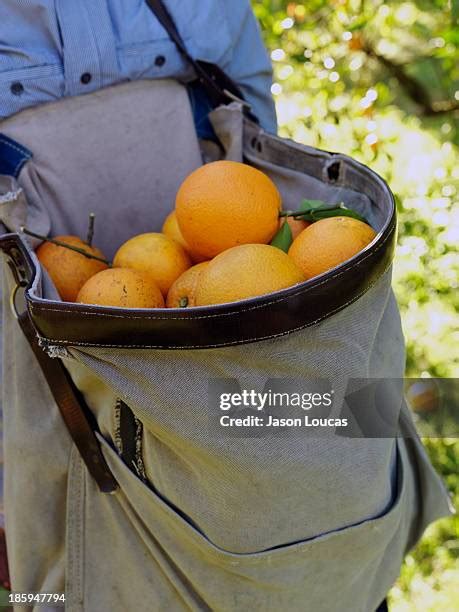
(270,421)
(262,402)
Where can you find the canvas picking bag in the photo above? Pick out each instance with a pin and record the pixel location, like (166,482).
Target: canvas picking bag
(196,520)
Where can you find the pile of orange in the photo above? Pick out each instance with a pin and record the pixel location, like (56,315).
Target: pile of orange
(213,249)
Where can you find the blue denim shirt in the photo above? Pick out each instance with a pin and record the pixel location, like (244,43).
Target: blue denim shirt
(55,48)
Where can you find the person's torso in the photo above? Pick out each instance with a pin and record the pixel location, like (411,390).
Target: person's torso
(55,48)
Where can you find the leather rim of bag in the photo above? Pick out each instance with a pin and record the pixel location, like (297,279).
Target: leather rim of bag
(252,320)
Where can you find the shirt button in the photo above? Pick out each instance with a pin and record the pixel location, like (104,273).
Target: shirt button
(160,60)
(17,88)
(86,78)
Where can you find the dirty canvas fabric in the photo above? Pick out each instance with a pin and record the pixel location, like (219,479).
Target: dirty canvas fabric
(220,523)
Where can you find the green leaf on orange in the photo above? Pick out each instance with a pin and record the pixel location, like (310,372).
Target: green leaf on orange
(309,205)
(340,211)
(314,210)
(283,239)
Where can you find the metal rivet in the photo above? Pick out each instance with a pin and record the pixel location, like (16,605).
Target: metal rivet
(86,78)
(160,60)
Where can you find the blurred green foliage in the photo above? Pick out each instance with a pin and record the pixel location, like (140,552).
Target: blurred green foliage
(380,82)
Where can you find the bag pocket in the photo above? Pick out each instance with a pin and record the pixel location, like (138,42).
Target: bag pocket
(151,552)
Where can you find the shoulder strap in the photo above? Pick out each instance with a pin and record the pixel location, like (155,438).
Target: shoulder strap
(220,88)
(77,417)
(71,405)
(165,19)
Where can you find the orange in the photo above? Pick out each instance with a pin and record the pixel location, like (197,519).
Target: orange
(68,269)
(329,242)
(296,225)
(246,271)
(155,253)
(123,288)
(172,230)
(183,291)
(225,203)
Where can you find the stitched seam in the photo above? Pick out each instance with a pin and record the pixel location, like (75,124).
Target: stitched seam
(70,536)
(39,308)
(18,148)
(19,165)
(75,527)
(46,70)
(200,346)
(79,528)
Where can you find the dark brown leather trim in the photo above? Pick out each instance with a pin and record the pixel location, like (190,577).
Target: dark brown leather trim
(59,323)
(76,415)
